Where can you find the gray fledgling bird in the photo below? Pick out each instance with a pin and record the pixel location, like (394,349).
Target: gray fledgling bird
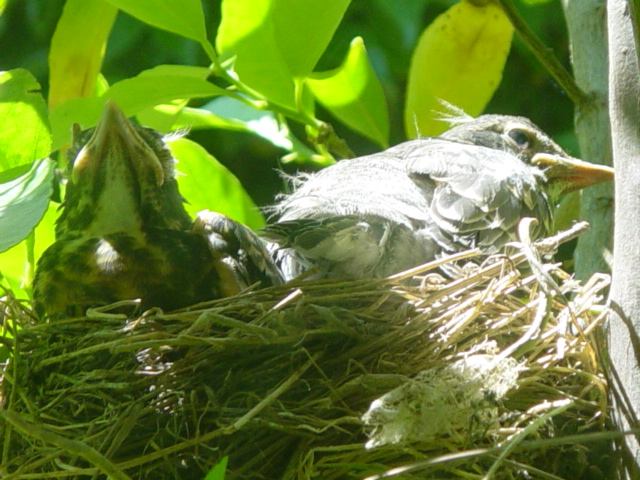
(380,214)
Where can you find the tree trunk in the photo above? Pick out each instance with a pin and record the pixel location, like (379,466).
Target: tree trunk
(586,22)
(624,326)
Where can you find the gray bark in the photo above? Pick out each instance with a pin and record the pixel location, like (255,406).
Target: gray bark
(586,22)
(624,322)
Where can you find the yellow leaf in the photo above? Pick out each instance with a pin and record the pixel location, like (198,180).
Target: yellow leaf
(77,48)
(459,58)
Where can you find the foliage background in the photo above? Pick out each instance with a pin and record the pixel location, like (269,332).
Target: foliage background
(390,31)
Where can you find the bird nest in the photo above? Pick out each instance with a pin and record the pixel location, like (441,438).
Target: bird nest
(492,370)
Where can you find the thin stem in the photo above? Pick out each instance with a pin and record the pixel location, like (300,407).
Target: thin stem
(545,55)
(254,99)
(329,141)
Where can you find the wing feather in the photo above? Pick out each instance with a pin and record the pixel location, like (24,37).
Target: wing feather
(430,196)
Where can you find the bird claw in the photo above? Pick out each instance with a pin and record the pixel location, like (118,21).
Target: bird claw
(238,247)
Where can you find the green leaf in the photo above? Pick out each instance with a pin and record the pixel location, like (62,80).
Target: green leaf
(262,123)
(15,268)
(77,49)
(3,4)
(313,21)
(265,36)
(182,70)
(209,185)
(198,118)
(23,202)
(24,136)
(228,114)
(184,17)
(459,58)
(162,117)
(218,471)
(152,87)
(567,212)
(101,86)
(83,111)
(159,85)
(403,19)
(354,95)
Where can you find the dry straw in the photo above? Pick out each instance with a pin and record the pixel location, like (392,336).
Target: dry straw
(488,372)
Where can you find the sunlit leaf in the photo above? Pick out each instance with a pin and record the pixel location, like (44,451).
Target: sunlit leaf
(14,263)
(311,20)
(101,86)
(3,4)
(354,95)
(184,17)
(191,71)
(24,136)
(459,58)
(218,471)
(135,94)
(152,87)
(209,185)
(262,123)
(163,117)
(228,114)
(170,117)
(83,111)
(198,118)
(23,202)
(265,36)
(77,49)
(246,33)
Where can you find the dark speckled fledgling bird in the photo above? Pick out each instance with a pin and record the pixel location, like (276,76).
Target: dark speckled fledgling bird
(383,213)
(124,233)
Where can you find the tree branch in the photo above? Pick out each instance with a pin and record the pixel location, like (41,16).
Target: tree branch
(624,321)
(586,24)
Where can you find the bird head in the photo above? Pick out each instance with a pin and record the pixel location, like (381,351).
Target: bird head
(121,179)
(522,138)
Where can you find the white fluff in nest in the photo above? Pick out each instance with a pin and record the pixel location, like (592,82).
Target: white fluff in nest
(458,399)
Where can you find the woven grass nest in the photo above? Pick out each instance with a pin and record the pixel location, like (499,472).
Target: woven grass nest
(489,372)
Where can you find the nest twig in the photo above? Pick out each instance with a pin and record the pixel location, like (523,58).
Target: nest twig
(320,379)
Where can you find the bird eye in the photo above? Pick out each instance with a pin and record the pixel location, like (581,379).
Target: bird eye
(520,137)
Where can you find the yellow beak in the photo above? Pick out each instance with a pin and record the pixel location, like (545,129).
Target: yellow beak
(571,173)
